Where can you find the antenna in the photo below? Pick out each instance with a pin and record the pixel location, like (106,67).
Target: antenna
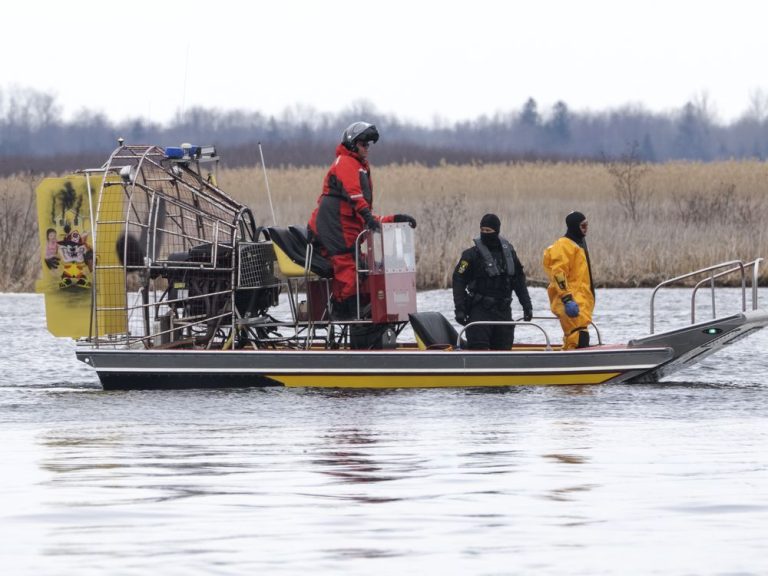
(184,89)
(266,180)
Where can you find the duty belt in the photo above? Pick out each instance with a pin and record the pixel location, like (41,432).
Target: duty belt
(490,301)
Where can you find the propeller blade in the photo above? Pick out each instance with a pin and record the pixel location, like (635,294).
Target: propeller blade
(130,251)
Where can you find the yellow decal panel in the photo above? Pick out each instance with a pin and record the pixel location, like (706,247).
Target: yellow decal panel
(68,256)
(438,380)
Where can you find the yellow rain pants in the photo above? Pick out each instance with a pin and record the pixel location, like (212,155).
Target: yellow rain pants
(566,265)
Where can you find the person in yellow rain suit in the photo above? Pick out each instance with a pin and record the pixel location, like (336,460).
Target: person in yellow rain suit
(571,290)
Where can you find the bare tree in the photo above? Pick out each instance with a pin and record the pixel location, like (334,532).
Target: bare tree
(628,172)
(758,105)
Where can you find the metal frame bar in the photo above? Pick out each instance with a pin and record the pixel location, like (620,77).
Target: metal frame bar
(503,323)
(735,265)
(358,244)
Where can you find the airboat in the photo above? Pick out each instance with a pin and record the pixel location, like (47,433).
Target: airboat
(166,281)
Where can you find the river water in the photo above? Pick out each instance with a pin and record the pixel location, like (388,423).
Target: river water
(630,479)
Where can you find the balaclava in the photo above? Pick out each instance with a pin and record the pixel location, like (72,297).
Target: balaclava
(490,239)
(572,221)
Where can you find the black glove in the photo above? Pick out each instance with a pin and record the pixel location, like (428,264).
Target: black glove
(527,315)
(461,318)
(373,225)
(52,262)
(370,220)
(405,218)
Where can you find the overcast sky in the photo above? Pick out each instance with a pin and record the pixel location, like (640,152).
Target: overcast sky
(417,59)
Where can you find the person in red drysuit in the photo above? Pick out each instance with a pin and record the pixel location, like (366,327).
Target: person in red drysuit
(344,209)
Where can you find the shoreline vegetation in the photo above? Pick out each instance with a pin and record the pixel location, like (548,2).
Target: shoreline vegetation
(648,222)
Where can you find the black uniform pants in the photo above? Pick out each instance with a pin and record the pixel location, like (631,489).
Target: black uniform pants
(487,336)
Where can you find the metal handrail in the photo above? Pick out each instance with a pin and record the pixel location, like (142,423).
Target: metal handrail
(308,273)
(755,278)
(358,243)
(308,254)
(503,323)
(597,330)
(734,264)
(754,264)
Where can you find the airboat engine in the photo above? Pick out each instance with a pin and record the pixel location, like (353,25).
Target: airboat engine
(201,291)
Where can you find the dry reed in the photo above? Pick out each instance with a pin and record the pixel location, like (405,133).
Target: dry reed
(532,200)
(19,250)
(692,215)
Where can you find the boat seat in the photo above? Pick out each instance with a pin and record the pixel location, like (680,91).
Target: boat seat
(290,245)
(433,331)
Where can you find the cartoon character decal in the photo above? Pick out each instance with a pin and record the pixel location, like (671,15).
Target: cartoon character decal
(76,259)
(68,254)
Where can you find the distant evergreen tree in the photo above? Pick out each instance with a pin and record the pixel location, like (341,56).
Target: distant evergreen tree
(692,134)
(530,116)
(559,125)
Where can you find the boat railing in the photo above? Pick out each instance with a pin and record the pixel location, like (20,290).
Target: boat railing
(713,273)
(503,323)
(597,330)
(364,236)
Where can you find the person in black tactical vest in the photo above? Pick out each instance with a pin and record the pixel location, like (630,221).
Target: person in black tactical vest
(483,282)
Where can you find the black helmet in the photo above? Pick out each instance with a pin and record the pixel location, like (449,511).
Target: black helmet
(359,132)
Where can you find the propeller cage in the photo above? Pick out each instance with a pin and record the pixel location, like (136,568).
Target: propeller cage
(191,258)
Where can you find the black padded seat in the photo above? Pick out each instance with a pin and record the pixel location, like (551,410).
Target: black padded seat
(293,241)
(434,331)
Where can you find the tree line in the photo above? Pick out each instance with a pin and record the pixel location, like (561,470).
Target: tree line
(34,136)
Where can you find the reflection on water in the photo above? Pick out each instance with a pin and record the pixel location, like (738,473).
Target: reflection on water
(349,458)
(574,480)
(567,458)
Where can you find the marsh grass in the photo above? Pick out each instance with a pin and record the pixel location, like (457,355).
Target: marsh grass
(697,214)
(19,252)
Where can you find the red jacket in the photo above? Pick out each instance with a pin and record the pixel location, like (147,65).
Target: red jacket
(345,204)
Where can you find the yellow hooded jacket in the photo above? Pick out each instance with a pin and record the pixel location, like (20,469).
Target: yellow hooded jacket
(566,265)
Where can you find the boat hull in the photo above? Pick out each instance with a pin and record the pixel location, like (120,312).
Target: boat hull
(691,344)
(145,369)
